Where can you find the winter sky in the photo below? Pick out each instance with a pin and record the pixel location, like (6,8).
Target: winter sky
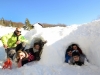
(50,11)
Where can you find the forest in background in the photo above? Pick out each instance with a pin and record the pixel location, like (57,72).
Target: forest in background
(27,25)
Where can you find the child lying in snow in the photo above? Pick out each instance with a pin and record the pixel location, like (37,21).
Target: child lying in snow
(37,48)
(77,59)
(23,57)
(76,47)
(68,55)
(29,55)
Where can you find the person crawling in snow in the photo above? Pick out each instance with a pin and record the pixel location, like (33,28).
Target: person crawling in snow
(77,59)
(68,55)
(24,57)
(36,50)
(29,55)
(77,48)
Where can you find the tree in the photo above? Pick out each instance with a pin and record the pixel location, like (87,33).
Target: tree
(10,24)
(27,24)
(2,21)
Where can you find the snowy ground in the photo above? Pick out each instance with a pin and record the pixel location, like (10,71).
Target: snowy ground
(52,59)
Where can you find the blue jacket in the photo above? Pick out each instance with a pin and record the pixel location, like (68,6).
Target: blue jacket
(67,57)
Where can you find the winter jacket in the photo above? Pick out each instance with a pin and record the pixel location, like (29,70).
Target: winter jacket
(10,39)
(29,59)
(37,54)
(67,58)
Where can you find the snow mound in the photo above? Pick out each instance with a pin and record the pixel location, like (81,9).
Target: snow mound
(53,55)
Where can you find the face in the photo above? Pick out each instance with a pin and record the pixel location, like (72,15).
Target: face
(76,58)
(74,47)
(22,54)
(37,47)
(18,31)
(69,53)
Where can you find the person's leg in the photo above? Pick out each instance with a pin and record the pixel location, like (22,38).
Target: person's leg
(10,57)
(11,52)
(7,64)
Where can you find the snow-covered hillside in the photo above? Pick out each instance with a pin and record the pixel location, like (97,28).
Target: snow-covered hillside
(53,56)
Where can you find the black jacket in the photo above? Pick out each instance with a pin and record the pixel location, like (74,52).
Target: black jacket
(26,60)
(36,54)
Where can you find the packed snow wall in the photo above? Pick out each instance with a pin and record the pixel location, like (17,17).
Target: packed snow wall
(87,36)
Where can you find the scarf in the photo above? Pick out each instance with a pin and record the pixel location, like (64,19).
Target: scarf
(35,50)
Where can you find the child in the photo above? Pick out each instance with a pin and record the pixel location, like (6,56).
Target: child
(76,47)
(68,55)
(77,59)
(36,51)
(24,57)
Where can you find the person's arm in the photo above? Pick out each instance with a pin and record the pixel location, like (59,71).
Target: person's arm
(71,61)
(67,58)
(37,56)
(86,62)
(5,38)
(19,63)
(23,39)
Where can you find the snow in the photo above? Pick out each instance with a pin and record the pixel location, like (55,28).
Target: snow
(53,55)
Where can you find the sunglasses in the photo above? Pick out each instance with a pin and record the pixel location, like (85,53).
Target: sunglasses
(18,31)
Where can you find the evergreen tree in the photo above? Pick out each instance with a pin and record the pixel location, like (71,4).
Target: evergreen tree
(27,24)
(10,24)
(2,21)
